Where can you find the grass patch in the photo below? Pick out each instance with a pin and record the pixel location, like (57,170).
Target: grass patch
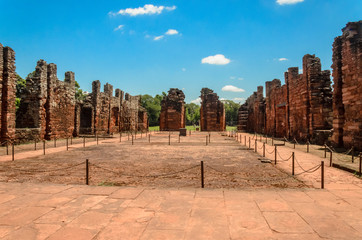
(231,128)
(192,128)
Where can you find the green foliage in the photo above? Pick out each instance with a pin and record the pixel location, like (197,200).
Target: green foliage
(153,107)
(192,114)
(79,94)
(20,88)
(231,112)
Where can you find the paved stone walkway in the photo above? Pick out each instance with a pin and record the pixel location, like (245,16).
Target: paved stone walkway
(47,211)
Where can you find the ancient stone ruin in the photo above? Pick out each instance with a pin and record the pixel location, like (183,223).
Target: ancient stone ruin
(103,113)
(48,107)
(298,109)
(172,115)
(212,112)
(347,95)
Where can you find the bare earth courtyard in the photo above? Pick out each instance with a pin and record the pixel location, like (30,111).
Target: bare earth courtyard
(243,198)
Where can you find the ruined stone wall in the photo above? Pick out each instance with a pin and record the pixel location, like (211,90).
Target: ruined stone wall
(7,93)
(243,118)
(255,106)
(47,103)
(347,76)
(172,115)
(212,112)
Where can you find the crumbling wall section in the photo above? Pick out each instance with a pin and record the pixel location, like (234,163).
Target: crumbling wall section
(347,76)
(172,116)
(212,112)
(7,93)
(47,103)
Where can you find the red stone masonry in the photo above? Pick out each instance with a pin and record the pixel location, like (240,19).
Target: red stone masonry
(47,104)
(172,115)
(212,112)
(347,77)
(7,93)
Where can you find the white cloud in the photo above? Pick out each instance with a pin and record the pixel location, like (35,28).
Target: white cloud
(282,59)
(288,2)
(120,27)
(183,69)
(240,78)
(196,101)
(300,70)
(223,99)
(218,59)
(239,99)
(232,77)
(171,32)
(148,9)
(158,38)
(231,88)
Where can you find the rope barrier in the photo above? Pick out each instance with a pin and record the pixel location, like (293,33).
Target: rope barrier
(307,171)
(146,176)
(270,152)
(42,171)
(283,159)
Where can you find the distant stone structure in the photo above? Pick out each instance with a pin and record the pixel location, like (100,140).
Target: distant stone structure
(7,93)
(173,115)
(103,113)
(47,105)
(298,109)
(212,112)
(347,95)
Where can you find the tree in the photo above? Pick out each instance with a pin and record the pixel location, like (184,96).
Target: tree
(79,94)
(20,88)
(231,112)
(192,113)
(153,107)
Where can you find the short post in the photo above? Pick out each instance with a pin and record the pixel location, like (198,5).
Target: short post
(128,136)
(322,175)
(249,142)
(272,141)
(132,139)
(275,155)
(7,149)
(83,142)
(293,163)
(245,139)
(55,142)
(256,150)
(169,138)
(71,140)
(360,164)
(67,144)
(44,147)
(294,142)
(206,140)
(263,149)
(209,137)
(120,137)
(266,139)
(352,154)
(141,134)
(149,138)
(97,139)
(35,144)
(13,152)
(330,159)
(202,174)
(179,138)
(307,146)
(87,172)
(325,150)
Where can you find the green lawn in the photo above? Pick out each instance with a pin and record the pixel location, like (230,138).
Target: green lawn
(157,128)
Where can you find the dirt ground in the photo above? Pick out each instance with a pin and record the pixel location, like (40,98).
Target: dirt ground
(227,164)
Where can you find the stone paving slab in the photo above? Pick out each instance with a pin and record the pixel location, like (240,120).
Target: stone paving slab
(50,211)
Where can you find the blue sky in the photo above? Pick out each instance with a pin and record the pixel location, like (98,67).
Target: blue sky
(146,47)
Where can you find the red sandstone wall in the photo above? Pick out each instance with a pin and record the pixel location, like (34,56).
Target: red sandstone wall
(172,116)
(347,75)
(212,112)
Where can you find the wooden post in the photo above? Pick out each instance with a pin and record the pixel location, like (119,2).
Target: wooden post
(325,150)
(275,155)
(331,159)
(120,137)
(83,142)
(67,144)
(87,172)
(12,152)
(263,149)
(202,174)
(360,164)
(179,138)
(352,154)
(307,146)
(132,139)
(55,142)
(71,140)
(35,144)
(294,142)
(245,139)
(256,150)
(128,136)
(7,148)
(272,141)
(209,137)
(169,138)
(293,163)
(249,142)
(44,147)
(97,139)
(322,175)
(206,140)
(149,138)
